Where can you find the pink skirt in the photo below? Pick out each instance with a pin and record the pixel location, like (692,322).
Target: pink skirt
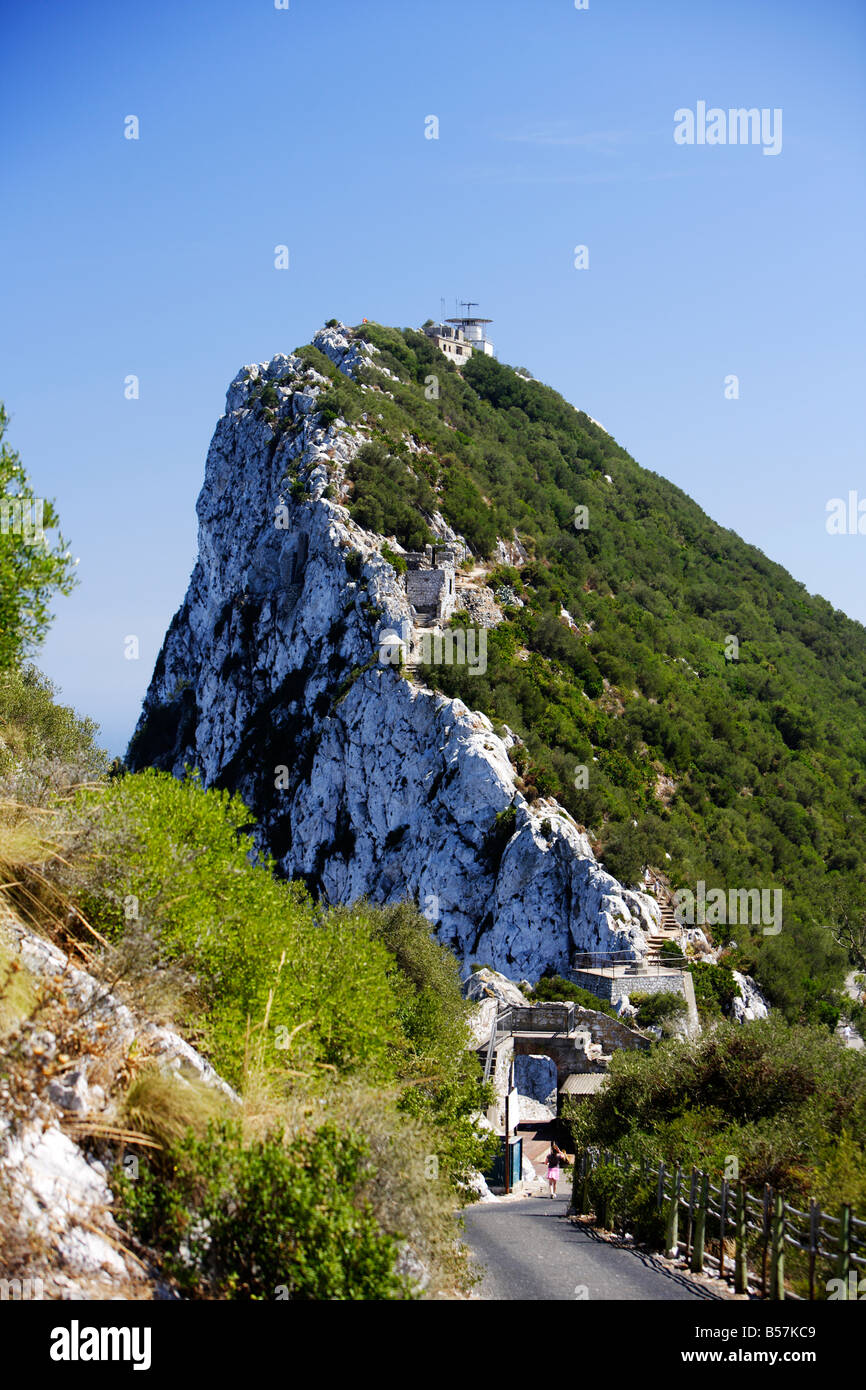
(553,1175)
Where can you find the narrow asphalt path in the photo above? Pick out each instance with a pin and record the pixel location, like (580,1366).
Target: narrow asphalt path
(530,1250)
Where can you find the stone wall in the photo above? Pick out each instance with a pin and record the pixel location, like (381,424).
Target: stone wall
(613,988)
(609,1032)
(543,1018)
(431,591)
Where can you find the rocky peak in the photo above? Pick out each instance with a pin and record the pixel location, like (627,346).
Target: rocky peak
(275,679)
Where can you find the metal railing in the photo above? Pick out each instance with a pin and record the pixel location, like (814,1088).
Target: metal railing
(787,1251)
(501,1028)
(552,1016)
(610,963)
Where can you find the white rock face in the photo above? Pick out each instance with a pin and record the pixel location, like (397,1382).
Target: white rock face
(270,681)
(477,1183)
(61,1194)
(750,1003)
(105,1016)
(535,1080)
(485,984)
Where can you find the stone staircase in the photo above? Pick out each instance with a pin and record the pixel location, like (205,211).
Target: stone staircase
(669,929)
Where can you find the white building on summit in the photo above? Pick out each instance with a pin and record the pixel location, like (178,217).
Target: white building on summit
(458,338)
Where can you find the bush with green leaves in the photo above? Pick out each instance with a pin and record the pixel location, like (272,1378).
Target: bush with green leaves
(264,1220)
(662,1007)
(37,733)
(622,1200)
(155,849)
(556,987)
(715,989)
(389,497)
(347,990)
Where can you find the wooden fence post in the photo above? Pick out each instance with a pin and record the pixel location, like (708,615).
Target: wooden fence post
(741,1268)
(690,1223)
(843,1265)
(697,1262)
(777,1265)
(814,1239)
(723,1221)
(660,1190)
(766,1234)
(672,1239)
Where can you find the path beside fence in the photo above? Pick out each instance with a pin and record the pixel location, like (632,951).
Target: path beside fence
(763,1243)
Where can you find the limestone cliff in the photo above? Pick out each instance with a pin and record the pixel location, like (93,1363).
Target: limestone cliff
(274,680)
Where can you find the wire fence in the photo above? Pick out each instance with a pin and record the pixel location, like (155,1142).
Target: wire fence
(763,1243)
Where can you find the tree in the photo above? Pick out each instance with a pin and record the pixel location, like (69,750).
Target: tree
(31,568)
(850,934)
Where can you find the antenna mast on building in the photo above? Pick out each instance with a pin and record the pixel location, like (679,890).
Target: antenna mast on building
(472,328)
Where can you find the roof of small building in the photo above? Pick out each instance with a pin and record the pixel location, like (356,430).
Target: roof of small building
(583,1083)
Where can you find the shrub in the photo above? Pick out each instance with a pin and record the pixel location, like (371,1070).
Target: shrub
(498,836)
(397,562)
(661,1007)
(556,987)
(715,988)
(37,731)
(779,1097)
(179,857)
(249,1221)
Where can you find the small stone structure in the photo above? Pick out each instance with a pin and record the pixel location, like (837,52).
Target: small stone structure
(577,1041)
(431,582)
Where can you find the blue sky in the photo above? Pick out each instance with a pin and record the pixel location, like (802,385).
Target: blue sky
(305,127)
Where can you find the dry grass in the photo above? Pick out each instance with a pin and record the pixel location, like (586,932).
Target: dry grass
(164,1105)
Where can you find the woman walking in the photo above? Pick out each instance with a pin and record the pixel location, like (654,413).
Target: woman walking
(554,1154)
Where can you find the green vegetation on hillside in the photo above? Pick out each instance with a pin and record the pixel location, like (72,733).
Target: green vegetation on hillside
(745,773)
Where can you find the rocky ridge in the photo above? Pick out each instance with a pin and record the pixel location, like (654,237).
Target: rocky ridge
(275,680)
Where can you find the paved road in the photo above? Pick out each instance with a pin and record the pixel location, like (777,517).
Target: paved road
(531,1251)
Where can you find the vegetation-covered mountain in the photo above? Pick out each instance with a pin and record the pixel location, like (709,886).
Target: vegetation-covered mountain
(342,1028)
(745,771)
